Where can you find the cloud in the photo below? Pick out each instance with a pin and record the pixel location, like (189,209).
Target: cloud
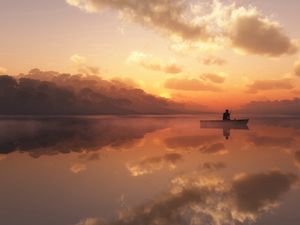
(152,63)
(242,28)
(78,59)
(164,15)
(213,77)
(245,28)
(83,67)
(190,84)
(254,33)
(297,68)
(50,92)
(82,5)
(89,70)
(268,85)
(128,82)
(151,164)
(172,68)
(2,70)
(286,106)
(212,60)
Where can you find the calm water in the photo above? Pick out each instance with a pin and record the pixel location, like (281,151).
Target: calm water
(162,170)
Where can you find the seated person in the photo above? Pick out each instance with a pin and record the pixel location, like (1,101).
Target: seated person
(226,115)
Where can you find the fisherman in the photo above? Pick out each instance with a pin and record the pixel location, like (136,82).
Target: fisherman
(226,115)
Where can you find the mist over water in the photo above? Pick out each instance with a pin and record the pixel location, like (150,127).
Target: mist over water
(148,170)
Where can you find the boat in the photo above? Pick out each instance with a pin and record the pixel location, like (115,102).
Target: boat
(236,123)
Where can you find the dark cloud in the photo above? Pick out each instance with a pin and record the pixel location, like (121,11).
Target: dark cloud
(50,92)
(52,136)
(267,85)
(185,84)
(288,107)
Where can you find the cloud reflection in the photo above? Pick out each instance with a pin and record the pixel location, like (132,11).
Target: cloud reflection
(271,141)
(297,159)
(92,221)
(216,149)
(211,166)
(151,164)
(260,192)
(196,199)
(287,122)
(64,135)
(189,142)
(78,168)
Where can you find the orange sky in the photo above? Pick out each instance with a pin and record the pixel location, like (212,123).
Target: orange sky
(215,53)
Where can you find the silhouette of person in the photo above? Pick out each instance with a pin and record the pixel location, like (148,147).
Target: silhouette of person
(226,115)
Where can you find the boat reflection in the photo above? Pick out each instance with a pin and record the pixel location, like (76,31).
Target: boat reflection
(225,127)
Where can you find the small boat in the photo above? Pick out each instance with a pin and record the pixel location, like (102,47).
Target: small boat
(236,123)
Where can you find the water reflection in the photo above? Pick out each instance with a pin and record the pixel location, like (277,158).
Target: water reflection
(194,199)
(226,129)
(189,142)
(50,136)
(149,165)
(147,170)
(297,159)
(271,141)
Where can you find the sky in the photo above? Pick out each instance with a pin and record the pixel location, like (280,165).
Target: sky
(215,53)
